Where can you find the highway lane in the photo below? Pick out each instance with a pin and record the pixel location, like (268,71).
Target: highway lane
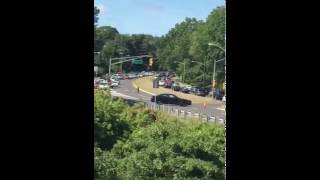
(126,88)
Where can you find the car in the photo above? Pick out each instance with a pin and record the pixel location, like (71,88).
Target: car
(193,90)
(97,81)
(121,76)
(168,83)
(185,90)
(224,98)
(102,81)
(115,84)
(147,74)
(200,92)
(103,85)
(176,88)
(114,79)
(218,94)
(161,83)
(131,76)
(170,99)
(116,76)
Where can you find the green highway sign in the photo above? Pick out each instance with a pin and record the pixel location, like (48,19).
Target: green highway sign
(137,61)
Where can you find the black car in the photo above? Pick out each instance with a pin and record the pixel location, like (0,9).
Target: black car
(184,90)
(218,94)
(193,90)
(200,92)
(176,88)
(170,99)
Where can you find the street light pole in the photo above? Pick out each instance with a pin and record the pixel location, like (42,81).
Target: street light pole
(204,65)
(100,54)
(184,69)
(184,72)
(109,67)
(214,63)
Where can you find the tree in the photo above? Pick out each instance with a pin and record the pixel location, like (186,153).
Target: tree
(104,34)
(108,127)
(114,120)
(96,13)
(168,149)
(189,41)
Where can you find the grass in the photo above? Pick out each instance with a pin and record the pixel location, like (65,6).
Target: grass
(146,84)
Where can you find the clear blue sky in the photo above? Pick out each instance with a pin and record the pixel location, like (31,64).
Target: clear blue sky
(155,17)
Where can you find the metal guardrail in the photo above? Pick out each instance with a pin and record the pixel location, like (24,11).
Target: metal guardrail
(181,113)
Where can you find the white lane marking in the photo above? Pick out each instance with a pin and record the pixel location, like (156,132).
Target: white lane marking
(114,93)
(221,109)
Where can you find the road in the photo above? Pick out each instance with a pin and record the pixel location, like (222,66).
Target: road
(126,90)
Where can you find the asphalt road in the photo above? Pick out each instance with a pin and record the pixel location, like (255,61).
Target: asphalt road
(126,88)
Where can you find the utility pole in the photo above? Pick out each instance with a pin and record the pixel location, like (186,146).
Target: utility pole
(109,67)
(214,64)
(184,72)
(184,69)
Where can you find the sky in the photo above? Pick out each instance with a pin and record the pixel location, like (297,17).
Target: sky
(155,17)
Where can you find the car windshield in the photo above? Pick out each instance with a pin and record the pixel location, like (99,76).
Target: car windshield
(172,96)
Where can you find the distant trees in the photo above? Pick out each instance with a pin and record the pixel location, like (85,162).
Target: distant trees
(188,41)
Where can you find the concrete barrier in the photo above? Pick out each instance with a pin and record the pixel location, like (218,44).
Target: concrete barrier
(189,114)
(221,121)
(212,119)
(183,113)
(204,118)
(196,115)
(176,112)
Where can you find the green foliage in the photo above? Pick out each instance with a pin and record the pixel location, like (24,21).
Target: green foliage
(108,126)
(188,41)
(115,120)
(168,149)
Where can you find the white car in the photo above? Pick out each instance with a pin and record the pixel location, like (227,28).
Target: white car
(224,98)
(101,81)
(161,83)
(113,79)
(103,85)
(115,83)
(131,76)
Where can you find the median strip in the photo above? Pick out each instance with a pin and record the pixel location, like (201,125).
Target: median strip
(145,85)
(142,90)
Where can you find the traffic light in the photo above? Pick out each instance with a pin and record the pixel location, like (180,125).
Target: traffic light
(150,61)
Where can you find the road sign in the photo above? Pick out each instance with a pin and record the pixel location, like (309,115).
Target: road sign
(137,61)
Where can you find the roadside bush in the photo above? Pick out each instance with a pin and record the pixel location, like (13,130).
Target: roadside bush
(170,149)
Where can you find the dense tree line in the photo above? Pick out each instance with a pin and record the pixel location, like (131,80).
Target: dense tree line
(135,143)
(111,44)
(188,42)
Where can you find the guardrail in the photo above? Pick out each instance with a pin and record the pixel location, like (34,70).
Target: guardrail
(181,113)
